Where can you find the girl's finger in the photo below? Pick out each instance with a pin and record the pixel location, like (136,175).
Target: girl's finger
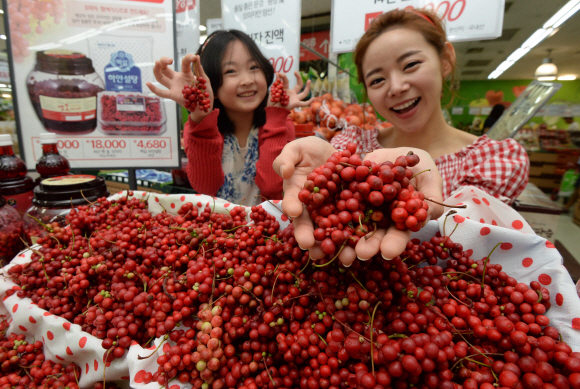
(299,83)
(284,80)
(159,74)
(347,256)
(186,63)
(394,242)
(163,93)
(367,248)
(306,90)
(305,103)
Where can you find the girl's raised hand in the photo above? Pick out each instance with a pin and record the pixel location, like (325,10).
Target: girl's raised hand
(295,95)
(175,81)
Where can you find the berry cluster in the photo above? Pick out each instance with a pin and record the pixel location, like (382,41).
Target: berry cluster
(345,197)
(236,304)
(278,93)
(195,96)
(109,112)
(23,365)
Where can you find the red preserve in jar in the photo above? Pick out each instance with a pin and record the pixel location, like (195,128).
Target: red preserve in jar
(51,163)
(63,89)
(11,232)
(15,185)
(55,197)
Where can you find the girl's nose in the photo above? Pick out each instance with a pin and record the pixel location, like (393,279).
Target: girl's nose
(247,79)
(397,85)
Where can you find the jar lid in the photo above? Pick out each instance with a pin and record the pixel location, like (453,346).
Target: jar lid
(71,189)
(48,138)
(6,140)
(63,62)
(16,185)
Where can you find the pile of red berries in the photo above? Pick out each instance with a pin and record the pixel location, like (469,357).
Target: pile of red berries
(348,198)
(195,96)
(278,93)
(236,304)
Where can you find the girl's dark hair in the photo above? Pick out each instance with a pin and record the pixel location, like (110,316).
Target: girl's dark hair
(211,53)
(494,115)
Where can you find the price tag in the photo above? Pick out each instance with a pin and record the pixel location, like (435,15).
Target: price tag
(151,148)
(131,103)
(105,149)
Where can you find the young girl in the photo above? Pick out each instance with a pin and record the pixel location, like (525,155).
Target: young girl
(403,60)
(231,147)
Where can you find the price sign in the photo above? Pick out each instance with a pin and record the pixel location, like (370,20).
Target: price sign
(275,27)
(465,20)
(131,150)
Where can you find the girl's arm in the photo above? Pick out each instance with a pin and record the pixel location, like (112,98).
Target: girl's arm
(204,146)
(272,137)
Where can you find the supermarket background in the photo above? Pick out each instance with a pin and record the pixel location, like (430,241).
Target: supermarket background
(553,142)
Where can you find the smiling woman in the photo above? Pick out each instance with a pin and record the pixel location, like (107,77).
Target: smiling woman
(403,61)
(233,136)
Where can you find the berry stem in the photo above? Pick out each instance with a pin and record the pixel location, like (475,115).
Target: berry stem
(165,337)
(372,345)
(332,260)
(361,285)
(445,205)
(421,172)
(485,265)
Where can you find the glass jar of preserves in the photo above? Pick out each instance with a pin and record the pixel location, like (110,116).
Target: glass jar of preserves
(55,197)
(11,232)
(15,185)
(63,89)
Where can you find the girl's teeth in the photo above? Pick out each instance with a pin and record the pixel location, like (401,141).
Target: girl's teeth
(403,106)
(247,94)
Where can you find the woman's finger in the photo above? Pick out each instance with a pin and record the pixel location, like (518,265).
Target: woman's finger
(347,256)
(394,242)
(303,230)
(302,95)
(284,79)
(299,83)
(367,248)
(304,103)
(316,252)
(163,93)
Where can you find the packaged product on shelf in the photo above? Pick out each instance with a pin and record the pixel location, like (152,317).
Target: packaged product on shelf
(124,62)
(63,89)
(130,114)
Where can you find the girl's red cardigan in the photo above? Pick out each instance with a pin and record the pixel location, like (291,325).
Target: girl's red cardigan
(204,146)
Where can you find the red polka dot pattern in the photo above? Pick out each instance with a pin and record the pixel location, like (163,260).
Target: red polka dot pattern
(517,224)
(477,201)
(227,205)
(96,365)
(174,387)
(32,320)
(69,351)
(83,342)
(47,314)
(59,357)
(576,323)
(486,201)
(87,369)
(545,279)
(485,231)
(458,219)
(482,221)
(182,198)
(458,195)
(527,262)
(559,299)
(66,326)
(493,223)
(173,205)
(550,245)
(49,335)
(22,328)
(506,246)
(284,217)
(15,308)
(157,199)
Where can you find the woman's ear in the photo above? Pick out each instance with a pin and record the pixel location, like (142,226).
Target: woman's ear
(448,59)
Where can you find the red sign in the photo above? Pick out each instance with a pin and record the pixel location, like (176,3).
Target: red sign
(184,5)
(370,17)
(317,41)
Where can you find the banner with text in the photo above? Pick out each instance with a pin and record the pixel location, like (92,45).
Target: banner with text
(317,41)
(464,20)
(273,24)
(80,68)
(187,27)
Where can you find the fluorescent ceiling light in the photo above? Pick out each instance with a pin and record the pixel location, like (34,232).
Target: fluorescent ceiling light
(202,27)
(6,96)
(551,78)
(202,39)
(567,77)
(562,14)
(2,36)
(548,29)
(1,11)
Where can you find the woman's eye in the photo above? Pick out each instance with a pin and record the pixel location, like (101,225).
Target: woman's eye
(412,65)
(376,81)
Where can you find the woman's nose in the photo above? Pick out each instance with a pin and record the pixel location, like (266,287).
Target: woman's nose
(397,84)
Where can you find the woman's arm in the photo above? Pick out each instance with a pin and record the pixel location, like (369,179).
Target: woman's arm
(272,137)
(204,146)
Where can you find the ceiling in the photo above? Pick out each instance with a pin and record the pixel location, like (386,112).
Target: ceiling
(477,59)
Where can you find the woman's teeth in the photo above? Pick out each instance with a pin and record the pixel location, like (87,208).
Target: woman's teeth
(405,105)
(247,94)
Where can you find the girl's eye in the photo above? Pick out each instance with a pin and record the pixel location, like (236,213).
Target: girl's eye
(230,71)
(255,67)
(411,65)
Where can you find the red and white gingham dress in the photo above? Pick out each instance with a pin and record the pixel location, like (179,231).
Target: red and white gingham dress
(498,168)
